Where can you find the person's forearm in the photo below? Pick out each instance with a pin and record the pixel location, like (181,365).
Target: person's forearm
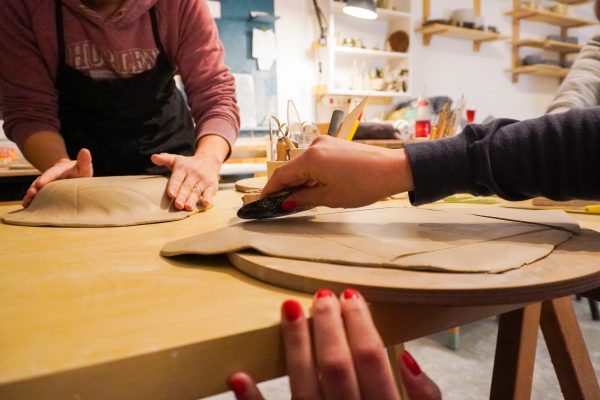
(555,156)
(44,149)
(212,146)
(581,87)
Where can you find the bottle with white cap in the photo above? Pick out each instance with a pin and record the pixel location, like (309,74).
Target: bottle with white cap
(423,116)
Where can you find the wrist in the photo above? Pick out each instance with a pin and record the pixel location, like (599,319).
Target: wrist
(400,171)
(212,147)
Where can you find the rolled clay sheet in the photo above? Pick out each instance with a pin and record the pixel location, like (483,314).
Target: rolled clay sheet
(467,240)
(100,202)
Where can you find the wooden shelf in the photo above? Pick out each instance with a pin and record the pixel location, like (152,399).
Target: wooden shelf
(573,2)
(549,45)
(377,97)
(359,52)
(382,13)
(552,18)
(540,69)
(476,35)
(370,93)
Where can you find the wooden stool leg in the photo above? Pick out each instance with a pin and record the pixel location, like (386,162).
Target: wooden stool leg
(594,310)
(394,352)
(515,354)
(568,351)
(453,338)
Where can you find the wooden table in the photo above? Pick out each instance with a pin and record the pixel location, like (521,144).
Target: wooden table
(14,182)
(97,313)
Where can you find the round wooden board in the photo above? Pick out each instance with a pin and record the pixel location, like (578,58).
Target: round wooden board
(573,267)
(248,184)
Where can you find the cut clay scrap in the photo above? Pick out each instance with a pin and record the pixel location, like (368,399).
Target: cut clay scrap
(468,240)
(100,202)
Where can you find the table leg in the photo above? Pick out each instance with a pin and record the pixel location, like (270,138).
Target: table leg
(568,351)
(515,354)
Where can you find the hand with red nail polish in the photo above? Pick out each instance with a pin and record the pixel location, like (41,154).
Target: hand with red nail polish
(342,357)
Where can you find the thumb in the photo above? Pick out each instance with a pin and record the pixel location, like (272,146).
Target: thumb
(84,163)
(416,382)
(164,160)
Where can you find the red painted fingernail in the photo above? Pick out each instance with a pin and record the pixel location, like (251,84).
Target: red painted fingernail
(351,294)
(324,293)
(411,363)
(291,310)
(288,205)
(237,385)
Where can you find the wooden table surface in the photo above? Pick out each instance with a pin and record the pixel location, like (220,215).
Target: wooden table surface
(7,172)
(97,313)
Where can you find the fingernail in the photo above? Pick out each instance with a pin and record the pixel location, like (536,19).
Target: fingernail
(291,310)
(411,363)
(324,293)
(288,205)
(237,385)
(351,294)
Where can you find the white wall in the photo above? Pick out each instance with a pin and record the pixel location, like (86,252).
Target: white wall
(446,67)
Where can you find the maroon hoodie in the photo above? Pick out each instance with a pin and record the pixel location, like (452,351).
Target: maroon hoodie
(119,46)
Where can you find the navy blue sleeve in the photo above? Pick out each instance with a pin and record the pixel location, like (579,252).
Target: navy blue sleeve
(555,156)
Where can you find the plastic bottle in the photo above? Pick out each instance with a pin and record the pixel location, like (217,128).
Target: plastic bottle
(423,117)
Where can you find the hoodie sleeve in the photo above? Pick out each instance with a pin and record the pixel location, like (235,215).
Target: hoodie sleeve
(209,85)
(27,95)
(581,88)
(556,156)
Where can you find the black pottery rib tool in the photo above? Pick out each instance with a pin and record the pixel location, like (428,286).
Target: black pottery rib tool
(268,207)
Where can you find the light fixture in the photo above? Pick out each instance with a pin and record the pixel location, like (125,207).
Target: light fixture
(364,9)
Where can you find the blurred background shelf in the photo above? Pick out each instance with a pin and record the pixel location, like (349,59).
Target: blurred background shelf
(540,69)
(548,17)
(476,35)
(573,2)
(368,52)
(382,13)
(549,45)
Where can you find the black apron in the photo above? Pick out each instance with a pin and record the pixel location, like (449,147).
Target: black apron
(122,121)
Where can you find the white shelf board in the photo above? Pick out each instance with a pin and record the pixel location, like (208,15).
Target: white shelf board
(255,129)
(370,93)
(243,168)
(368,52)
(382,13)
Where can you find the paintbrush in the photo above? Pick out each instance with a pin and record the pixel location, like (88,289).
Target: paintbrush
(442,122)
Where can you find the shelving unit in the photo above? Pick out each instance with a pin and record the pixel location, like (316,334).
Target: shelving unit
(476,35)
(563,21)
(342,62)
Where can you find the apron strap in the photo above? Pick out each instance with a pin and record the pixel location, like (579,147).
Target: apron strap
(154,21)
(60,33)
